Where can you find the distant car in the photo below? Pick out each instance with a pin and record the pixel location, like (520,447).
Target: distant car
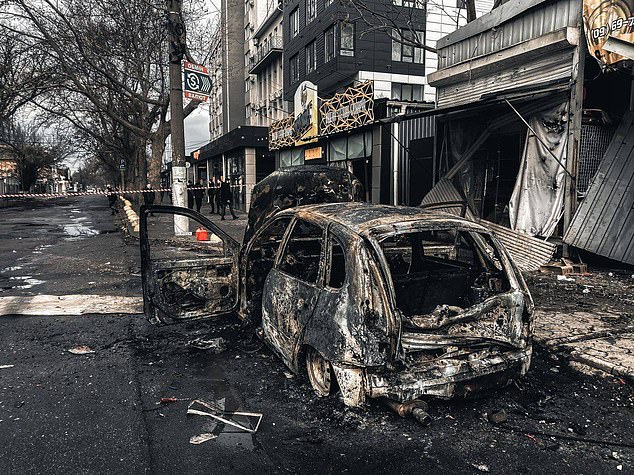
(379,301)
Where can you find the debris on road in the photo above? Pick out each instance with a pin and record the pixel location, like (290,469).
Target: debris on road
(216,344)
(201,438)
(226,416)
(6,366)
(81,350)
(167,400)
(497,417)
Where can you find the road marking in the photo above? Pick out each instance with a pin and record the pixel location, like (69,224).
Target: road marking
(70,305)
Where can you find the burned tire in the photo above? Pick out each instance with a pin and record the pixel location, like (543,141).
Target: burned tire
(319,372)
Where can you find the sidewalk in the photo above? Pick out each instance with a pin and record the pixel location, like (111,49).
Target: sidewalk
(588,320)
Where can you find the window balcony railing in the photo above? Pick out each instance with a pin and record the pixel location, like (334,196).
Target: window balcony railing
(266,53)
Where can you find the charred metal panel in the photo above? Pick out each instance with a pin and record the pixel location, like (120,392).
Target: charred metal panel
(500,32)
(297,186)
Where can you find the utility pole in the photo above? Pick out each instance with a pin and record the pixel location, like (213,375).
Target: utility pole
(176,53)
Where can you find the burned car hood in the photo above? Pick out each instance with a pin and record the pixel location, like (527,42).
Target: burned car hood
(296,186)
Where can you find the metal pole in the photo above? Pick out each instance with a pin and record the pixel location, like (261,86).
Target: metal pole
(176,52)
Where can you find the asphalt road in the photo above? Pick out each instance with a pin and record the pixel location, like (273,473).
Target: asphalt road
(101,412)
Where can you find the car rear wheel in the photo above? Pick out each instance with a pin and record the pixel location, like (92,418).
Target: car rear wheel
(319,372)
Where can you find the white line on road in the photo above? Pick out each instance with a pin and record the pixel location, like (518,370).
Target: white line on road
(69,305)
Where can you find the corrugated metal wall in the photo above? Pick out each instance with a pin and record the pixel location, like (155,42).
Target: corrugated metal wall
(422,127)
(555,66)
(544,18)
(604,222)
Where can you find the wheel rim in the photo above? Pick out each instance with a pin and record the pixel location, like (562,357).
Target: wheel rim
(319,372)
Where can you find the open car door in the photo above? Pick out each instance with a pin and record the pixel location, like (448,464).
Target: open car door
(189,276)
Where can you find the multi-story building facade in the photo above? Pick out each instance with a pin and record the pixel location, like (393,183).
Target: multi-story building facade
(334,44)
(264,45)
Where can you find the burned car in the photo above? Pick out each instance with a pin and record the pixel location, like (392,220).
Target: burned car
(379,301)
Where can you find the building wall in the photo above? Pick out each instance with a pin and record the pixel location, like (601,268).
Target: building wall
(372,48)
(216,114)
(232,25)
(444,17)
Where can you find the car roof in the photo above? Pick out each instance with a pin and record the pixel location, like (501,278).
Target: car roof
(368,219)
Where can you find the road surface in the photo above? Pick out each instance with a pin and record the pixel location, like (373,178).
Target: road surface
(101,412)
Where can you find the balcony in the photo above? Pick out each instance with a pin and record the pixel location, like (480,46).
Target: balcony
(266,53)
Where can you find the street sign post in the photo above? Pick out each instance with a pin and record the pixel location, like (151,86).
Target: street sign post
(197,81)
(122,171)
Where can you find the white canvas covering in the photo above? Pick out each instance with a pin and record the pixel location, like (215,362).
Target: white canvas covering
(537,201)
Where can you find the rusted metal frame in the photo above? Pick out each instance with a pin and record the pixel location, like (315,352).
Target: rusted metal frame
(539,139)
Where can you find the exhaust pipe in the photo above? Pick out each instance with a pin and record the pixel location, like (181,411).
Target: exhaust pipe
(415,408)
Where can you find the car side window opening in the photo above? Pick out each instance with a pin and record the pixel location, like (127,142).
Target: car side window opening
(302,255)
(443,267)
(261,258)
(337,270)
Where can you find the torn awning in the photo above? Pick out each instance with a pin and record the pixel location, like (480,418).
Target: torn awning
(604,221)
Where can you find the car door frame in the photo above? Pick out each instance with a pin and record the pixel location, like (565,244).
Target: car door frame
(146,258)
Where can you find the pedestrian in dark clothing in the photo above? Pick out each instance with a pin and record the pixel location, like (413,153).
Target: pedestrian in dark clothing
(149,196)
(217,195)
(199,192)
(163,187)
(226,198)
(190,195)
(112,199)
(211,195)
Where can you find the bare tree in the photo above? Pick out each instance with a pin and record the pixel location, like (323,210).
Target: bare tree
(112,59)
(35,149)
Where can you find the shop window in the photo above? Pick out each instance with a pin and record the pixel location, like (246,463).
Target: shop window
(407,92)
(404,46)
(294,23)
(350,147)
(311,57)
(347,39)
(329,44)
(311,10)
(293,68)
(291,158)
(303,252)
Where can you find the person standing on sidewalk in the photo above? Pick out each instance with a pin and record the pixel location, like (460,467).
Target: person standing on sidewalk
(112,199)
(226,198)
(199,192)
(211,194)
(190,194)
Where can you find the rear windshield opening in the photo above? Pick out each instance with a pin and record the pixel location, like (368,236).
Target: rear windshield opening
(443,267)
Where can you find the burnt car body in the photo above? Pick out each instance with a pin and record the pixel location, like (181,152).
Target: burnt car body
(381,301)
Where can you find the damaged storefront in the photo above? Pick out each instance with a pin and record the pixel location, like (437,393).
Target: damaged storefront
(525,117)
(352,130)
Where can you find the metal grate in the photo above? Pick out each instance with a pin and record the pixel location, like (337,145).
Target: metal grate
(594,142)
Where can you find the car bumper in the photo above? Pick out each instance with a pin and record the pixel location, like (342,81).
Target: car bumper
(449,378)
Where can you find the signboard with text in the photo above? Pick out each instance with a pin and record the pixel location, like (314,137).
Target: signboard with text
(197,83)
(347,110)
(605,19)
(305,124)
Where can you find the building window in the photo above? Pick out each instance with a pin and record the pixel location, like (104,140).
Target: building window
(407,92)
(294,21)
(347,39)
(413,3)
(329,44)
(311,57)
(403,46)
(311,10)
(293,68)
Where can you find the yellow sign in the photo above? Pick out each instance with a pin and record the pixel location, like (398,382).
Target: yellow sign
(312,153)
(305,124)
(605,19)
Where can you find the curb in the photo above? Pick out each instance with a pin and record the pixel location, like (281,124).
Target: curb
(131,218)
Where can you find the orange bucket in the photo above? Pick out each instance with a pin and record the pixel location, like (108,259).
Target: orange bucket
(202,234)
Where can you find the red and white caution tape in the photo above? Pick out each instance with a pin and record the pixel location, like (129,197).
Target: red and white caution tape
(102,193)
